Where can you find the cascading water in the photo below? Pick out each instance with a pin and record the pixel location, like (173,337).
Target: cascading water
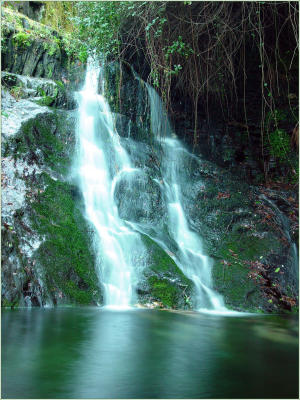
(190,258)
(101,163)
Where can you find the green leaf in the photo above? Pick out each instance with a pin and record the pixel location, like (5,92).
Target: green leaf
(277,269)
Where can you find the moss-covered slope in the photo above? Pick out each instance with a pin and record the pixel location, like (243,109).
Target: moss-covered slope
(163,284)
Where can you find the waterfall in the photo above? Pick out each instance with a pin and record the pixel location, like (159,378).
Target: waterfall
(190,257)
(100,164)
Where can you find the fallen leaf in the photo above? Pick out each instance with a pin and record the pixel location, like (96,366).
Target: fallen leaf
(233,253)
(223,195)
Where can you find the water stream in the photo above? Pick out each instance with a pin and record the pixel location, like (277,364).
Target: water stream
(190,256)
(101,162)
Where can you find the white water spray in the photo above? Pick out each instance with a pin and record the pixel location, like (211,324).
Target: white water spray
(102,161)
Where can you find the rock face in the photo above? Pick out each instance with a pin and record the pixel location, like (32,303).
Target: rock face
(33,9)
(249,235)
(34,59)
(46,254)
(254,265)
(127,96)
(33,49)
(44,92)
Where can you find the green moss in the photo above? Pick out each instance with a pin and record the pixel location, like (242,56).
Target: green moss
(65,255)
(246,246)
(161,261)
(231,278)
(45,101)
(166,282)
(164,292)
(233,283)
(80,296)
(22,39)
(53,135)
(11,304)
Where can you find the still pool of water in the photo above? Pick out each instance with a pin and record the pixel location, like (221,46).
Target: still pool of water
(97,353)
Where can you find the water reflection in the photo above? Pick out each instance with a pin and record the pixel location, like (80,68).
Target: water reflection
(94,353)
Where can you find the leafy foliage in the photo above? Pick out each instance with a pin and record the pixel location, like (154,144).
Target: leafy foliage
(280,143)
(16,92)
(22,39)
(98,25)
(58,15)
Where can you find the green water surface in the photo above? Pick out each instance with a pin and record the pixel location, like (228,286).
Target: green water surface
(97,353)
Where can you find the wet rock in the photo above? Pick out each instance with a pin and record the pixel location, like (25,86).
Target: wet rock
(15,113)
(219,204)
(44,92)
(163,282)
(139,199)
(127,95)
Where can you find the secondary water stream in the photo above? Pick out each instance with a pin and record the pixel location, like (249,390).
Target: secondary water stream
(190,256)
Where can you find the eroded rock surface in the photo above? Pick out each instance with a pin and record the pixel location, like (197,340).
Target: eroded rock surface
(46,255)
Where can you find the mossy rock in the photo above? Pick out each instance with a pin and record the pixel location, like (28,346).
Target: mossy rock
(163,281)
(47,140)
(39,51)
(9,304)
(231,270)
(164,292)
(65,255)
(128,96)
